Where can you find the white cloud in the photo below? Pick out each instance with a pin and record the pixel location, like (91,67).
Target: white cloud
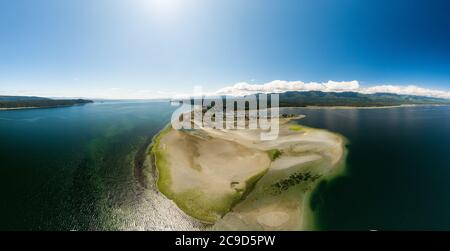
(279,86)
(408,90)
(239,89)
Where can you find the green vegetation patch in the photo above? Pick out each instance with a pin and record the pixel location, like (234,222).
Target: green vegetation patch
(204,207)
(296,128)
(274,154)
(161,163)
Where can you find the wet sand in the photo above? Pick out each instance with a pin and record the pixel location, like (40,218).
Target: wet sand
(227,179)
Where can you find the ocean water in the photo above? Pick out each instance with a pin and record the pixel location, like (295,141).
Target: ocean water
(73,168)
(398,169)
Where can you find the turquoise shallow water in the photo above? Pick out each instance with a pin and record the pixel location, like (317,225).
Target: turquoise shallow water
(71,168)
(67,168)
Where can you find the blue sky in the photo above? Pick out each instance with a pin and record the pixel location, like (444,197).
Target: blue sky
(146,48)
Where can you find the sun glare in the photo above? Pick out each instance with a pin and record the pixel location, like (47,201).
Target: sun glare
(164,7)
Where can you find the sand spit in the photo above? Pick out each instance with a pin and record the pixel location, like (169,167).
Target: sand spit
(230,179)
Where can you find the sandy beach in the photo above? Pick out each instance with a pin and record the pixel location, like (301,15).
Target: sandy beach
(229,179)
(18,108)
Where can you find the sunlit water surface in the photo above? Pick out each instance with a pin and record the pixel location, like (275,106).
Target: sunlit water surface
(74,169)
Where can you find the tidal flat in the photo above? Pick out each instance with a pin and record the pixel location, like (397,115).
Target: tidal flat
(230,179)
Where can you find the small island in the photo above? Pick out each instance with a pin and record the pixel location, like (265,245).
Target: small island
(22,102)
(231,180)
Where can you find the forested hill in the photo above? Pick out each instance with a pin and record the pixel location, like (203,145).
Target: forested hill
(37,102)
(317,98)
(352,99)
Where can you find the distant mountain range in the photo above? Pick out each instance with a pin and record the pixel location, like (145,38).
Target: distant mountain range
(355,99)
(287,99)
(342,99)
(18,102)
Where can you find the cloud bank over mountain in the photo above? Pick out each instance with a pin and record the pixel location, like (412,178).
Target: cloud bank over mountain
(279,86)
(238,89)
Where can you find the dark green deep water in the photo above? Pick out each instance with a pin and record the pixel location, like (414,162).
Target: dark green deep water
(398,169)
(69,168)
